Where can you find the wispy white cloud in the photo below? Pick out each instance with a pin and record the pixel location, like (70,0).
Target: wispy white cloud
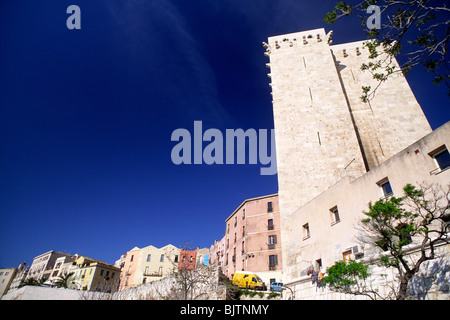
(158,41)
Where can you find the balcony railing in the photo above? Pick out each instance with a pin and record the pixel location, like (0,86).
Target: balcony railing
(152,274)
(443,167)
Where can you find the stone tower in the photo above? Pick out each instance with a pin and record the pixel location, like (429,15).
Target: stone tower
(323,131)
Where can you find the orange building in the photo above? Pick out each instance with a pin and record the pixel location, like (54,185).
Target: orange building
(188,259)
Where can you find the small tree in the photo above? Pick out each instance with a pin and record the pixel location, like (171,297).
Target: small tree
(192,281)
(30,282)
(420,216)
(352,278)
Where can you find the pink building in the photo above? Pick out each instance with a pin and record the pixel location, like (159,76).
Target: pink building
(217,252)
(252,239)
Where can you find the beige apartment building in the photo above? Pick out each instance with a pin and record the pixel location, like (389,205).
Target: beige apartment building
(63,266)
(6,277)
(252,239)
(19,277)
(148,264)
(336,153)
(43,265)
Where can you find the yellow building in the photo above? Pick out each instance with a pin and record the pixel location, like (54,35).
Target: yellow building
(95,275)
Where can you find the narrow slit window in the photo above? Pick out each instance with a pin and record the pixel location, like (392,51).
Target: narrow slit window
(306,231)
(334,215)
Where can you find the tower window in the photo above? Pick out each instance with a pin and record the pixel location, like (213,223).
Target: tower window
(306,231)
(334,215)
(385,187)
(441,158)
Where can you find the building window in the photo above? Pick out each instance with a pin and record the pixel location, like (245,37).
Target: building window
(131,259)
(148,257)
(272,241)
(270,224)
(235,221)
(269,206)
(385,187)
(273,261)
(243,214)
(334,215)
(441,158)
(176,258)
(319,264)
(346,255)
(306,231)
(162,258)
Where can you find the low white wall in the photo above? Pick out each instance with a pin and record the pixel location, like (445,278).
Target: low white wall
(42,293)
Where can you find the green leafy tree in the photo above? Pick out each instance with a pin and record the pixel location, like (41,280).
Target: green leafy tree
(421,215)
(416,30)
(351,277)
(392,225)
(30,282)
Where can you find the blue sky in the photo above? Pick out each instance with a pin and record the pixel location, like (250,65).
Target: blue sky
(86,117)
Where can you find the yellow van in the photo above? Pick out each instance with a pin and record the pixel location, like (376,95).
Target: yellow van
(248,280)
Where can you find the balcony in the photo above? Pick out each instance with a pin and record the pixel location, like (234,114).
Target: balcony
(152,274)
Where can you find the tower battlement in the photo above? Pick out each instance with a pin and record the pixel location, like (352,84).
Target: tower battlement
(297,39)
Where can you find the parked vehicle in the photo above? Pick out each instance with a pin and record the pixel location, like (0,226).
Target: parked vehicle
(276,286)
(248,280)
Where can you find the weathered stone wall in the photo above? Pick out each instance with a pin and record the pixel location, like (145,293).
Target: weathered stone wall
(392,119)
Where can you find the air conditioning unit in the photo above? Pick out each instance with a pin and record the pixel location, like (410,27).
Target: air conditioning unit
(357,251)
